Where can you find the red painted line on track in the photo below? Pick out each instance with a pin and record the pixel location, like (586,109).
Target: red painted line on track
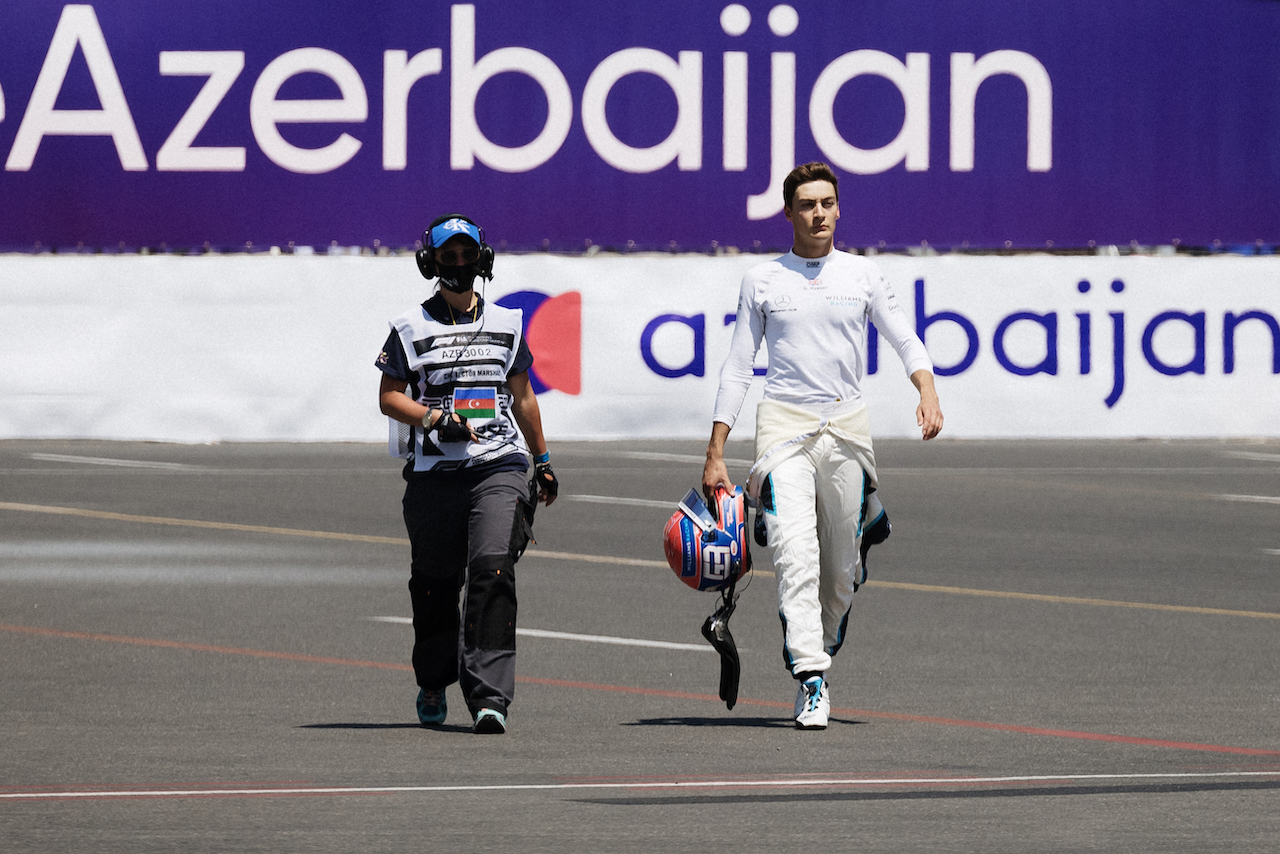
(653,692)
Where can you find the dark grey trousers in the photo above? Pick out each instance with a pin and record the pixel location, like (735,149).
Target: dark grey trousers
(467,531)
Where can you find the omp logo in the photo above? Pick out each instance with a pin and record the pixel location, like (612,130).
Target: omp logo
(553,330)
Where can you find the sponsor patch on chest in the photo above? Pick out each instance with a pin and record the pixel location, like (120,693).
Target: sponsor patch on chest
(845,300)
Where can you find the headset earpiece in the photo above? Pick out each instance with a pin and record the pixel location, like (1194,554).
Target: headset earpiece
(484,264)
(426,264)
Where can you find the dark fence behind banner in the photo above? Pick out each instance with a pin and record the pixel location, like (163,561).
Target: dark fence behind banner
(176,126)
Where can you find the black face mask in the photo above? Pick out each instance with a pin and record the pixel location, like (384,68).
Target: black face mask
(458,279)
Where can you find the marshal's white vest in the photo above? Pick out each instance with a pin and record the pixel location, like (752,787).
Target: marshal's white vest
(460,367)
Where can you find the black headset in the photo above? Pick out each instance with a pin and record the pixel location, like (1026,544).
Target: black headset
(427,262)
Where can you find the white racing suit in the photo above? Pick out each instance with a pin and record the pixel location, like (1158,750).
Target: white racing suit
(815,468)
(814,475)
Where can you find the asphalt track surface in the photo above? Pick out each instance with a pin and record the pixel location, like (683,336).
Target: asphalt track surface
(1066,646)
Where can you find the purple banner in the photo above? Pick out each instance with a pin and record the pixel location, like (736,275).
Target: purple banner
(170,124)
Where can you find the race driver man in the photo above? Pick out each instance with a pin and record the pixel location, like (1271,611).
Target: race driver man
(815,472)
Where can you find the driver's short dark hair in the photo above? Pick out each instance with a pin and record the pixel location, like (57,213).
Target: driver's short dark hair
(804,174)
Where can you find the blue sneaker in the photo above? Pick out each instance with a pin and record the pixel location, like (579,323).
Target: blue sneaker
(491,722)
(432,707)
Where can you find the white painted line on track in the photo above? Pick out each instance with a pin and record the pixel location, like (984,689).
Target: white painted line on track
(107,461)
(852,782)
(606,639)
(542,633)
(618,499)
(657,456)
(1255,499)
(605,559)
(1252,455)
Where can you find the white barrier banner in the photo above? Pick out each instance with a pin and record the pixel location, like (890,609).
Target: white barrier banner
(258,348)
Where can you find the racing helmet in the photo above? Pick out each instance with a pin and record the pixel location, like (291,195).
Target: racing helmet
(707,547)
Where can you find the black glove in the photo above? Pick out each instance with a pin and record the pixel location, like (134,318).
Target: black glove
(452,427)
(545,478)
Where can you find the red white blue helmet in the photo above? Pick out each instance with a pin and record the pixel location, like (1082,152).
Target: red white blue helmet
(708,550)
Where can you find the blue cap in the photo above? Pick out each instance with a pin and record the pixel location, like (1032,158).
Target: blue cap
(452,228)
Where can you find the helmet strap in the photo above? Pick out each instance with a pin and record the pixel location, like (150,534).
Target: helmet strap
(716,630)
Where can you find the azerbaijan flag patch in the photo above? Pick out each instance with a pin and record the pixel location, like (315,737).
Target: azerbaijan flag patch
(476,403)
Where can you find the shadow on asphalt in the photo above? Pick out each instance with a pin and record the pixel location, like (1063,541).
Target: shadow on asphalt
(385,726)
(934,794)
